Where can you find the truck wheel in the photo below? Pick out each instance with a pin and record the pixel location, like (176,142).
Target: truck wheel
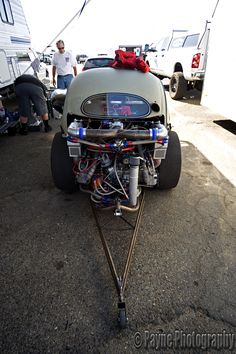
(61,165)
(170,167)
(177,86)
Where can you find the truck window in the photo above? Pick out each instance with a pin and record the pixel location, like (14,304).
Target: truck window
(162,44)
(165,43)
(5,12)
(177,42)
(191,41)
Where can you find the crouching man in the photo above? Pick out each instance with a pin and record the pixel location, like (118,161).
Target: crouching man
(30,90)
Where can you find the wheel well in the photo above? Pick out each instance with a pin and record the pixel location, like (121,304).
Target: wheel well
(178,68)
(70,118)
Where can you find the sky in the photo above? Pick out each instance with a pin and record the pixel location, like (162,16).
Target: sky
(104,24)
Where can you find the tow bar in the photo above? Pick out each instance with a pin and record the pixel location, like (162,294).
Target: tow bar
(120,281)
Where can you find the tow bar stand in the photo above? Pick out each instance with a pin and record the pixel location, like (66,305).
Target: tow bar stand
(121,281)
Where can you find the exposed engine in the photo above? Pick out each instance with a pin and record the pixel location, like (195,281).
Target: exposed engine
(113,160)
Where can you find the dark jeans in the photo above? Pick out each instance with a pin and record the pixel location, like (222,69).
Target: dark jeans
(27,94)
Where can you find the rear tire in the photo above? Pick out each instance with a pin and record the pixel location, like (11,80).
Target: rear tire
(170,167)
(177,86)
(62,165)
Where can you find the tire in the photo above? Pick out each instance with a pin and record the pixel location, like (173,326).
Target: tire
(177,86)
(61,165)
(170,167)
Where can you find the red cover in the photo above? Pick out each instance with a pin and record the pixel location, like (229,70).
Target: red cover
(128,60)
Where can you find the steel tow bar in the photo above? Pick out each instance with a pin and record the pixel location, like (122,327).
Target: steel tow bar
(121,281)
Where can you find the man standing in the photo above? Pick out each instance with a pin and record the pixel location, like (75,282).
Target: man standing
(63,62)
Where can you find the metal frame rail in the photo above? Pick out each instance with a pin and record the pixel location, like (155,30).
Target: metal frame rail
(120,281)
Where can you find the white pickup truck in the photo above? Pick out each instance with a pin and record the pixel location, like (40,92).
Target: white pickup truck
(181,57)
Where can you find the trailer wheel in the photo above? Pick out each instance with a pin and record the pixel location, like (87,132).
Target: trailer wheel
(61,165)
(170,167)
(177,86)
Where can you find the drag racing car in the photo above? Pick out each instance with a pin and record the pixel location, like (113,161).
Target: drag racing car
(115,139)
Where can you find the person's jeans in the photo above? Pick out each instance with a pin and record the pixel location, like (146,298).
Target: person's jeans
(63,81)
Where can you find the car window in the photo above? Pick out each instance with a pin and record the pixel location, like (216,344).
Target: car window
(191,41)
(98,62)
(113,105)
(22,56)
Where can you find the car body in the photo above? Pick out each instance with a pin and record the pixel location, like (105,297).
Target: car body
(81,58)
(115,137)
(99,61)
(46,58)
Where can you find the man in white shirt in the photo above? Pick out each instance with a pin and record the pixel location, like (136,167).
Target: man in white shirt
(64,64)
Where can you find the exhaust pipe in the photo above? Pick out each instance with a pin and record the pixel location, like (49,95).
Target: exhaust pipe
(149,134)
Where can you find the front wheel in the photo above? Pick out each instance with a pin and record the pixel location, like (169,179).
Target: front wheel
(170,167)
(177,86)
(62,165)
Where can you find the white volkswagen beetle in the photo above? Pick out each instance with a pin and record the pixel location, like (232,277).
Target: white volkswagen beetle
(115,137)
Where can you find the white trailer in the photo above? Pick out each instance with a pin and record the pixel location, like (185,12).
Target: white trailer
(219,89)
(16,55)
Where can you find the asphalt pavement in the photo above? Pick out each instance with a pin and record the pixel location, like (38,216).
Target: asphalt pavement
(57,294)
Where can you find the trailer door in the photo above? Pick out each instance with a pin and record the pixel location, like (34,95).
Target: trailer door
(5,75)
